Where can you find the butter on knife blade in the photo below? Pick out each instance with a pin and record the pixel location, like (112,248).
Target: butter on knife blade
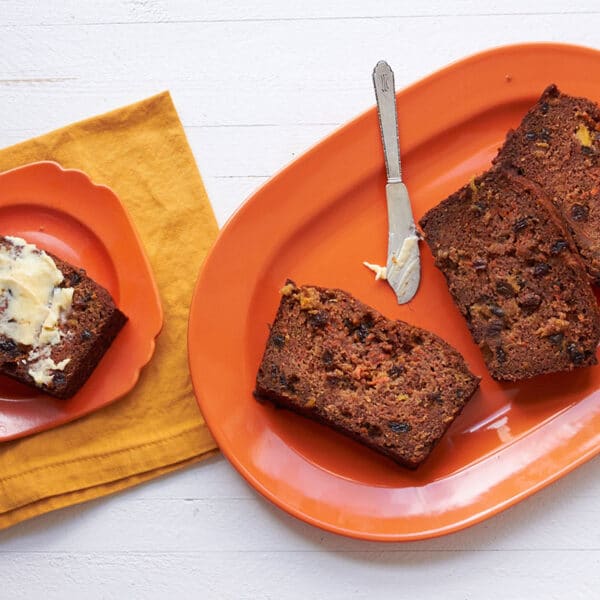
(403,269)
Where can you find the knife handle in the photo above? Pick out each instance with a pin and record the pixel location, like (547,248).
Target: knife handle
(383,80)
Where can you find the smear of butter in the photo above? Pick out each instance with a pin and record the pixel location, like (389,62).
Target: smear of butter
(404,271)
(380,272)
(409,244)
(42,371)
(62,298)
(32,304)
(42,367)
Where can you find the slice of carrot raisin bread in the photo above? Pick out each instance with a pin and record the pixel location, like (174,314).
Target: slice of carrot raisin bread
(557,145)
(391,386)
(515,275)
(55,322)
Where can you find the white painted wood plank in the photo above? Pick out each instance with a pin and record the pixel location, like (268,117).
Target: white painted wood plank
(75,12)
(228,193)
(300,575)
(266,74)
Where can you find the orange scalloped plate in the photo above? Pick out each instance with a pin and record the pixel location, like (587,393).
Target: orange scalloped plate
(315,222)
(63,212)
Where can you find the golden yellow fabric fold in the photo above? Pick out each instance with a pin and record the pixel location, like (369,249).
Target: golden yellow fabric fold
(142,153)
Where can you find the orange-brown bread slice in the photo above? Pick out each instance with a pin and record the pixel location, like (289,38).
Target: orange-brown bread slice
(86,332)
(515,275)
(557,145)
(391,386)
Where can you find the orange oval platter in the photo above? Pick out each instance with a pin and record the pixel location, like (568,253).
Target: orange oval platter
(63,212)
(316,222)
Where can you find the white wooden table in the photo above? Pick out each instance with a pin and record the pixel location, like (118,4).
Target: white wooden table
(256,84)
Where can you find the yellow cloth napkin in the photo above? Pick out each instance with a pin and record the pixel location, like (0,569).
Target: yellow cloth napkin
(142,153)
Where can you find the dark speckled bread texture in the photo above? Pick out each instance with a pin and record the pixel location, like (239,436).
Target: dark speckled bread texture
(515,275)
(86,334)
(391,386)
(557,145)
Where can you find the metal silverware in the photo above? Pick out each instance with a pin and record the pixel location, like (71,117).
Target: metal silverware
(403,269)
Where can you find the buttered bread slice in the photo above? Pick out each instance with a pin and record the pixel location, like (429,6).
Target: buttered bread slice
(55,322)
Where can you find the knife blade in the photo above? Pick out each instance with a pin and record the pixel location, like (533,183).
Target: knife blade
(403,259)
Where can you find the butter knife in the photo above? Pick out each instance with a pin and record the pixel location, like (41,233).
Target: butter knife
(403,265)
